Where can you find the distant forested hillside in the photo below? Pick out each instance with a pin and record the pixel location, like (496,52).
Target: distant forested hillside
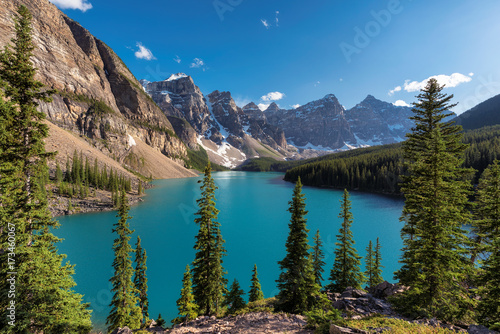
(485,113)
(378,169)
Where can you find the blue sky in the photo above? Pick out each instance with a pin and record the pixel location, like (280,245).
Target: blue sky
(304,50)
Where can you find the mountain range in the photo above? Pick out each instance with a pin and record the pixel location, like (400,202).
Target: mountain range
(231,134)
(103,108)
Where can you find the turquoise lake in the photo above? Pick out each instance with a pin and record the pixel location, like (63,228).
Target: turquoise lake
(254,222)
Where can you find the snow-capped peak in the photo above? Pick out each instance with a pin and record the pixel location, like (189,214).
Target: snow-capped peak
(176,76)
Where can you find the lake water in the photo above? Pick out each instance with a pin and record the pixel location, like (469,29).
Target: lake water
(254,223)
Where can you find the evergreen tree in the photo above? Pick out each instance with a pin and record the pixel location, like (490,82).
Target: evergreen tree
(234,298)
(255,293)
(377,268)
(185,304)
(45,301)
(59,174)
(139,188)
(486,228)
(436,190)
(318,256)
(141,279)
(124,308)
(298,289)
(345,271)
(209,284)
(160,321)
(369,265)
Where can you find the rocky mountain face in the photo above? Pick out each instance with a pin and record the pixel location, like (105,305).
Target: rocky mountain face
(228,133)
(375,122)
(325,124)
(98,97)
(318,124)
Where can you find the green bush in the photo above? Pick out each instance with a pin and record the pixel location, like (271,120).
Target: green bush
(320,320)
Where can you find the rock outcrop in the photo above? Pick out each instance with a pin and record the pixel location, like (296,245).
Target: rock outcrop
(319,124)
(98,97)
(375,122)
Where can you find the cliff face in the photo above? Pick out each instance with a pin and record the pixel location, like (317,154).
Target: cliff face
(376,122)
(98,97)
(320,123)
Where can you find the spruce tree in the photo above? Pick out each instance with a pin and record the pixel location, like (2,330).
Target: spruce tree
(124,308)
(255,293)
(185,304)
(345,271)
(486,228)
(377,269)
(45,301)
(318,257)
(369,265)
(234,298)
(436,189)
(297,287)
(141,279)
(209,284)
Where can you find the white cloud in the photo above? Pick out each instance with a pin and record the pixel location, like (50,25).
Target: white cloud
(273,96)
(295,106)
(401,103)
(263,106)
(143,52)
(316,84)
(341,79)
(449,81)
(177,59)
(396,89)
(265,23)
(82,5)
(277,19)
(197,63)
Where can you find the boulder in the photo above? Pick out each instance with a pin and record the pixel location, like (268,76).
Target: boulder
(478,329)
(124,330)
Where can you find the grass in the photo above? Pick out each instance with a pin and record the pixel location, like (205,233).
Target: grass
(95,106)
(394,326)
(199,159)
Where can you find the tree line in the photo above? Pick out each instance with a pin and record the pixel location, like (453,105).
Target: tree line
(382,169)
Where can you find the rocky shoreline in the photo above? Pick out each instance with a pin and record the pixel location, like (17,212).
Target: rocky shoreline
(354,304)
(101,201)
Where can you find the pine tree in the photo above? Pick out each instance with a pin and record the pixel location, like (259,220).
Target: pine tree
(298,289)
(185,304)
(44,297)
(255,293)
(141,279)
(318,256)
(139,188)
(160,321)
(369,265)
(487,230)
(124,308)
(209,284)
(345,271)
(59,174)
(234,298)
(434,263)
(377,268)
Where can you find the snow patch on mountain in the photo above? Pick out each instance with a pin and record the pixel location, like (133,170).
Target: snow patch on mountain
(176,76)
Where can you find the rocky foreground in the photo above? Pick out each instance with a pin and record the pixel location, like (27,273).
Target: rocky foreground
(353,303)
